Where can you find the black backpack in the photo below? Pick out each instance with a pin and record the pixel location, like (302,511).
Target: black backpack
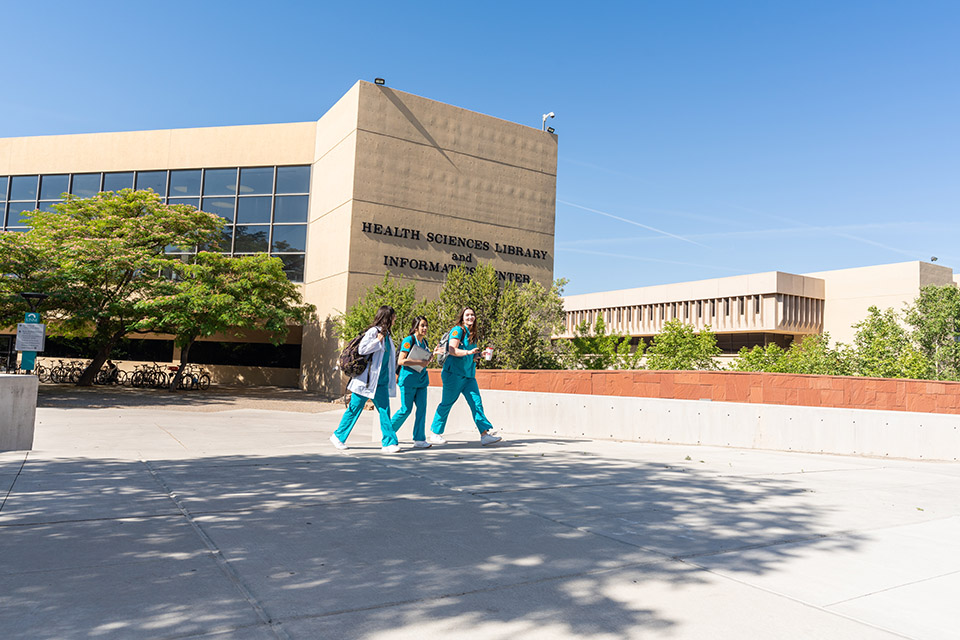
(350,360)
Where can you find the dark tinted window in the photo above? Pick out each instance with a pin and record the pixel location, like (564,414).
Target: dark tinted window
(293,179)
(156,180)
(254,210)
(47,205)
(23,188)
(293,267)
(256,180)
(291,209)
(222,207)
(218,182)
(118,181)
(85,185)
(3,187)
(289,238)
(51,187)
(185,183)
(246,354)
(251,239)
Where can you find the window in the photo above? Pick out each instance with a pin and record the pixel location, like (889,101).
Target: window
(293,179)
(118,181)
(219,182)
(53,187)
(256,180)
(23,188)
(85,185)
(156,180)
(254,210)
(185,183)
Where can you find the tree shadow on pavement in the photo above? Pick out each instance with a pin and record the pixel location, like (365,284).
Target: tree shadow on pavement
(349,546)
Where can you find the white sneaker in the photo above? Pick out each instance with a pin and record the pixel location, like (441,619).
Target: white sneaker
(489,438)
(422,444)
(392,448)
(337,443)
(436,438)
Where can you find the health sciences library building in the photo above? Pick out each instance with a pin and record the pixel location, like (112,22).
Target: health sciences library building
(383,181)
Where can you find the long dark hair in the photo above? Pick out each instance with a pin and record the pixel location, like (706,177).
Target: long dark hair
(384,319)
(416,324)
(475,332)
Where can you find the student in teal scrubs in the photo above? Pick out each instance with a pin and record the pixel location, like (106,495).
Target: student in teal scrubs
(459,378)
(413,384)
(377,383)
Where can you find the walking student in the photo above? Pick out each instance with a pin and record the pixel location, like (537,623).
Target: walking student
(378,383)
(413,384)
(459,378)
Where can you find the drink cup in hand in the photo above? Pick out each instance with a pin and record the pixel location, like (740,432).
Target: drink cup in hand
(488,354)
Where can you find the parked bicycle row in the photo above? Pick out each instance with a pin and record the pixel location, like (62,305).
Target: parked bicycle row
(142,376)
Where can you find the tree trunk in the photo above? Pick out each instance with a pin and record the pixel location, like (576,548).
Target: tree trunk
(178,376)
(90,373)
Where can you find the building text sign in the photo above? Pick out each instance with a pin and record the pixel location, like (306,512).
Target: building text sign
(464,259)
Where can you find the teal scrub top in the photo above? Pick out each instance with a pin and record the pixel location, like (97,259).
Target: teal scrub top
(460,365)
(408,377)
(384,378)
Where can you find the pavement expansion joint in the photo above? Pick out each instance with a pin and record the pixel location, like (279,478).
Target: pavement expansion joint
(803,603)
(222,562)
(12,484)
(896,586)
(81,520)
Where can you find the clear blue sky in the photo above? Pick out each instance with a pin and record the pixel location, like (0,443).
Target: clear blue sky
(698,139)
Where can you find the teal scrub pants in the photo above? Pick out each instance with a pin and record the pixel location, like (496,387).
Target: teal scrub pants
(453,387)
(410,396)
(381,400)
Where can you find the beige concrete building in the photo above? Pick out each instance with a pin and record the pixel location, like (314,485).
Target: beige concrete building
(383,181)
(760,308)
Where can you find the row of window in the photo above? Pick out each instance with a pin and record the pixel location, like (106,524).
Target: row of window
(237,181)
(684,310)
(265,208)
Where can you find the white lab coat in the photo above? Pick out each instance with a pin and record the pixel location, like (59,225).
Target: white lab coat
(366,383)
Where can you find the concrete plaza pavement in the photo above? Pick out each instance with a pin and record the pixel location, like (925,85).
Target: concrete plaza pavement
(229,522)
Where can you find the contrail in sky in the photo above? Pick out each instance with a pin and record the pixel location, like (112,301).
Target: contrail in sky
(633,222)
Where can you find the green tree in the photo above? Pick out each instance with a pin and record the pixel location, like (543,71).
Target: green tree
(681,346)
(883,349)
(221,294)
(594,348)
(935,319)
(769,358)
(813,355)
(527,316)
(392,293)
(99,258)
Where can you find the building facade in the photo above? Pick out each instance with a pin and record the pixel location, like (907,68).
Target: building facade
(384,181)
(761,308)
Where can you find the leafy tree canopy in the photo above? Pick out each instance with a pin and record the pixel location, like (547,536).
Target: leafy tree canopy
(98,258)
(221,294)
(935,319)
(883,349)
(681,346)
(594,348)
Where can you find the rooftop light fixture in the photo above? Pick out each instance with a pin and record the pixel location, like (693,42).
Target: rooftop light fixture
(545,116)
(379,81)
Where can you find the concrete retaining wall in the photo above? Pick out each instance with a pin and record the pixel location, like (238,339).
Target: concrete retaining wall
(18,411)
(895,434)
